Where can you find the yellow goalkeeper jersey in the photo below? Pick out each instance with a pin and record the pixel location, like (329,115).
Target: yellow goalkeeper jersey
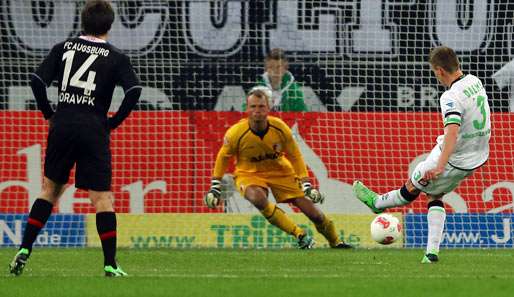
(274,153)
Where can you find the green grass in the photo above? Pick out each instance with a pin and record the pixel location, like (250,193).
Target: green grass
(211,272)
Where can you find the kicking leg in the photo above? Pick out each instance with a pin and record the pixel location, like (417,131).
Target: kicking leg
(378,203)
(405,195)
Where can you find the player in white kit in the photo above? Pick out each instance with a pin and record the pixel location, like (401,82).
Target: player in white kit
(462,149)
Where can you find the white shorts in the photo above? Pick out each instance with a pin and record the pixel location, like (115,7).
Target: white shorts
(445,183)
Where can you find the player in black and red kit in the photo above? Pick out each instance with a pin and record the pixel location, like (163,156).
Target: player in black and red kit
(87,69)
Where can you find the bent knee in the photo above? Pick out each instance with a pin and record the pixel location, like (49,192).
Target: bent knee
(51,191)
(409,186)
(256,195)
(102,201)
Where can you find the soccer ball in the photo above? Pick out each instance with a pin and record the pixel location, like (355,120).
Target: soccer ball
(386,229)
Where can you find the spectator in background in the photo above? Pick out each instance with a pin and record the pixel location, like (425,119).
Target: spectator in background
(286,92)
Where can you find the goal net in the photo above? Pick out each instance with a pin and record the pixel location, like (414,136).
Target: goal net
(371,113)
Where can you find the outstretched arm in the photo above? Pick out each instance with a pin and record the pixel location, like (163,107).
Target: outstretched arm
(212,198)
(221,165)
(295,156)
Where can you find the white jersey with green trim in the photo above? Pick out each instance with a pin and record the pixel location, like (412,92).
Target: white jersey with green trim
(465,104)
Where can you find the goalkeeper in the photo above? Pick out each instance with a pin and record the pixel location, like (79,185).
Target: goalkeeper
(268,158)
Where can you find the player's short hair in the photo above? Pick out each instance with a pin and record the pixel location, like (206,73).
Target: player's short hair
(260,92)
(97,17)
(261,89)
(276,54)
(445,58)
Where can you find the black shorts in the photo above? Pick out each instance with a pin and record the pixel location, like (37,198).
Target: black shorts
(84,143)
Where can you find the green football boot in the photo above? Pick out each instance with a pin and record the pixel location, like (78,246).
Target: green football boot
(366,196)
(430,258)
(114,272)
(19,262)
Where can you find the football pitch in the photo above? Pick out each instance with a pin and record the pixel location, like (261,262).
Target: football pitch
(288,272)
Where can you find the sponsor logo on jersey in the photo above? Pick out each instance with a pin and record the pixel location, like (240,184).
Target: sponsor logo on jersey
(268,156)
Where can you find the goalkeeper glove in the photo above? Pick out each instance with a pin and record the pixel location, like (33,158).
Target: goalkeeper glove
(212,198)
(312,193)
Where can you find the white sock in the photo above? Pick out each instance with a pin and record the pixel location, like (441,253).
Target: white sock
(391,199)
(435,217)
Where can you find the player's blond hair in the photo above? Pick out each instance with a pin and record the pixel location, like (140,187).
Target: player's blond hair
(445,58)
(261,94)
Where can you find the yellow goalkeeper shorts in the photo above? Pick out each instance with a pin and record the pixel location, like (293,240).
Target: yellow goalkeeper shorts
(283,187)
